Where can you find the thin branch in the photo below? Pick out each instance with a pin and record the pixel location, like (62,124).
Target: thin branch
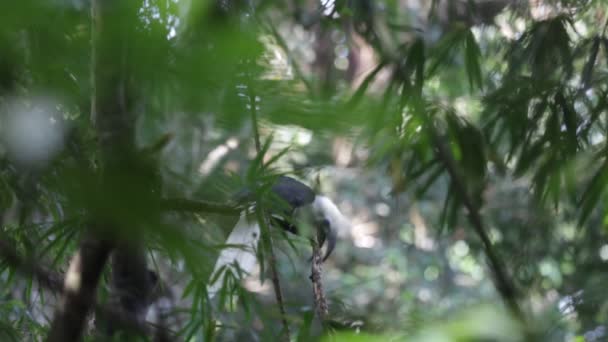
(502,282)
(266,237)
(268,244)
(188,205)
(254,117)
(605,27)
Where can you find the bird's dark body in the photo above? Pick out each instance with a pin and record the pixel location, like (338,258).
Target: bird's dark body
(295,193)
(292,192)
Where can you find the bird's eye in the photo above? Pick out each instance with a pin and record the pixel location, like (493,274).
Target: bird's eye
(152,276)
(324,223)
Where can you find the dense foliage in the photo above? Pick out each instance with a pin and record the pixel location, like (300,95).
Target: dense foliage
(465,140)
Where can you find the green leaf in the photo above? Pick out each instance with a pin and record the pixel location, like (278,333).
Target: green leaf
(571,122)
(257,164)
(276,157)
(591,195)
(529,155)
(472,54)
(304,333)
(445,48)
(588,69)
(6,194)
(414,65)
(432,177)
(356,98)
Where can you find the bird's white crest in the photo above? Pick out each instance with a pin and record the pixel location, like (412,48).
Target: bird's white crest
(244,240)
(327,209)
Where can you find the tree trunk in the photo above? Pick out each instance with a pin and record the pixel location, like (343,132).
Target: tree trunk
(111,113)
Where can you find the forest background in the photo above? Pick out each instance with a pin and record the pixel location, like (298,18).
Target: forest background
(464,140)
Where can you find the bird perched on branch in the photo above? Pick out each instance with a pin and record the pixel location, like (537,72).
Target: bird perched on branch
(292,204)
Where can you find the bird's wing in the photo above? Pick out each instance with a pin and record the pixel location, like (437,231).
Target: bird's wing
(295,193)
(243,242)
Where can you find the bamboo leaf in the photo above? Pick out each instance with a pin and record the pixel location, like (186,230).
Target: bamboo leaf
(445,48)
(588,69)
(592,193)
(365,84)
(571,122)
(472,55)
(529,155)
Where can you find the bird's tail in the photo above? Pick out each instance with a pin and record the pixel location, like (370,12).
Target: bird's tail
(240,252)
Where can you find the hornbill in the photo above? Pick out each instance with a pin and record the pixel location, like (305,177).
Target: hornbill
(293,202)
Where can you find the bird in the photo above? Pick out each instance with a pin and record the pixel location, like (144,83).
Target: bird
(292,203)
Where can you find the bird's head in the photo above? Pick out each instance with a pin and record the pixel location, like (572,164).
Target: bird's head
(328,220)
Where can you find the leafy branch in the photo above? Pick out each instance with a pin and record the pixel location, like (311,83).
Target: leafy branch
(503,283)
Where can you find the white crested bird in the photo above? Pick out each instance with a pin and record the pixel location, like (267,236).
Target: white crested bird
(293,198)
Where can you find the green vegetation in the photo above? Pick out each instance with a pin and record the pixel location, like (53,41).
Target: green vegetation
(465,140)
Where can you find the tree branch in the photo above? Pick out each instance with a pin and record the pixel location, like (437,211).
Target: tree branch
(317,284)
(502,282)
(79,290)
(188,205)
(268,244)
(266,237)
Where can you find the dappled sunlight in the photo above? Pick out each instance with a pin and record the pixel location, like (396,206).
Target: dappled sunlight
(363,233)
(216,155)
(73,277)
(253,283)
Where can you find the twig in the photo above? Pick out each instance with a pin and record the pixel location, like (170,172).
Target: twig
(317,284)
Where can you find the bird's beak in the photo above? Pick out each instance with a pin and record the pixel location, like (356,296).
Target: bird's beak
(331,220)
(326,233)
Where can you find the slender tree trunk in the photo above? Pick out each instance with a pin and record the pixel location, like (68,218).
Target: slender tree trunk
(80,285)
(111,115)
(114,26)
